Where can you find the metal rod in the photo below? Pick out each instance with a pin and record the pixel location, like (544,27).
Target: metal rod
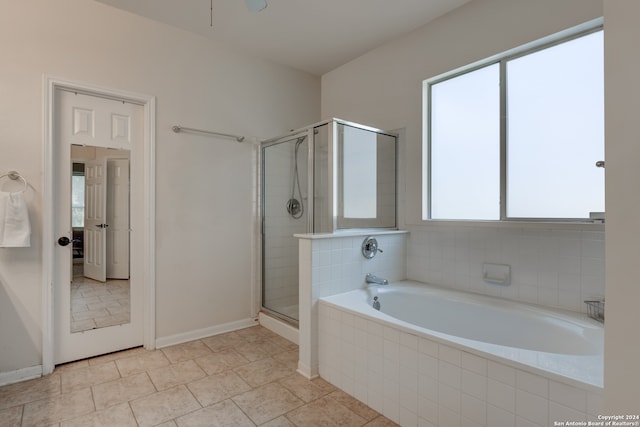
(178,129)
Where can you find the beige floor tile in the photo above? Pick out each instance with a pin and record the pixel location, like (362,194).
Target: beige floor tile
(285,343)
(176,374)
(302,387)
(53,410)
(116,416)
(225,413)
(279,422)
(325,412)
(112,320)
(29,391)
(117,355)
(257,350)
(263,371)
(223,341)
(354,405)
(121,386)
(72,365)
(325,386)
(289,358)
(122,390)
(255,333)
(141,362)
(164,406)
(186,351)
(90,314)
(216,388)
(221,361)
(76,379)
(11,417)
(267,402)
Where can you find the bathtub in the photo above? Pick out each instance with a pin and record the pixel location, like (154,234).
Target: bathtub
(426,339)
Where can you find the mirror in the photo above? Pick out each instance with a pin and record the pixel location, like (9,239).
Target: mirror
(100,285)
(366,178)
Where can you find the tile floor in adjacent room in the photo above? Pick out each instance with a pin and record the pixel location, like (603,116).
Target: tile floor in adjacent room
(98,304)
(242,378)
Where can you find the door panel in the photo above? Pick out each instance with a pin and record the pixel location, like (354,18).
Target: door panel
(97,124)
(95,220)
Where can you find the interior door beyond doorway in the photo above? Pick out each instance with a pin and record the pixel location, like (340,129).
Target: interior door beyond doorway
(95,225)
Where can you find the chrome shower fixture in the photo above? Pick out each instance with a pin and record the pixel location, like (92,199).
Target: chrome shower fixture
(295,207)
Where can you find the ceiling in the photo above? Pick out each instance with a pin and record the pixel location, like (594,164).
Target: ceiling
(314,36)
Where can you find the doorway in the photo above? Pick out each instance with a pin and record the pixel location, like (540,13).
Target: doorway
(119,124)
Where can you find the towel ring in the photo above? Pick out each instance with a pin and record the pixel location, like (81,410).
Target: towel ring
(15,176)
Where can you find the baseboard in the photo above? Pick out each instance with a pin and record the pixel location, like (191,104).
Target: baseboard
(279,327)
(205,332)
(20,375)
(306,371)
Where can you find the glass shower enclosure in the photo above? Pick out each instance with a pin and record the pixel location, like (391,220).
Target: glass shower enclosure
(329,176)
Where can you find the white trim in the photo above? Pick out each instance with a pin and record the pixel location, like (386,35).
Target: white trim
(50,84)
(205,332)
(306,371)
(20,375)
(281,328)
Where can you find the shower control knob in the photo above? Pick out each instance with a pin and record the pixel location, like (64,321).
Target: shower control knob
(64,241)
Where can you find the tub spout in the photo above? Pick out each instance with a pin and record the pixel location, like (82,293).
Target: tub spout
(371,278)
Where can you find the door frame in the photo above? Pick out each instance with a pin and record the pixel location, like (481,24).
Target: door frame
(50,84)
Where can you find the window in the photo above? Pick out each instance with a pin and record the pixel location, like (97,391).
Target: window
(518,137)
(77,195)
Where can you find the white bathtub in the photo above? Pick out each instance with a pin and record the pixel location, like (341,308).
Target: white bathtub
(536,353)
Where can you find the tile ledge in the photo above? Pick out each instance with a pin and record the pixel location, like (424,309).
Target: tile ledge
(349,233)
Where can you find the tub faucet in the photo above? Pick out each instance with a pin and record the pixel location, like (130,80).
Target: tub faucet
(371,278)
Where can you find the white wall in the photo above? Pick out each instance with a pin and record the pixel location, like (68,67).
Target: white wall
(205,187)
(622,92)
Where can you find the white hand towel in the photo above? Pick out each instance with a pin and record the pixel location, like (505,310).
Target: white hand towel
(15,229)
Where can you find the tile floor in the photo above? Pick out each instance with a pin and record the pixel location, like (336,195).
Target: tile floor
(97,305)
(242,378)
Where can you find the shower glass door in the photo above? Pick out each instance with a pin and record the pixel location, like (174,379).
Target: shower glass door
(285,210)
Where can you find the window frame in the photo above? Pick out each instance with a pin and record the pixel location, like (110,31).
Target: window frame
(502,60)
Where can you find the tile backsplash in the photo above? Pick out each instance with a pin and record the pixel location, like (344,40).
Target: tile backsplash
(554,268)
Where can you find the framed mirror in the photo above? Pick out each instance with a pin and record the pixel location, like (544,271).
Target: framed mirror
(100,207)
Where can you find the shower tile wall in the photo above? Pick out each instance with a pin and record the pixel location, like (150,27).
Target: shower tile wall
(281,251)
(554,268)
(334,264)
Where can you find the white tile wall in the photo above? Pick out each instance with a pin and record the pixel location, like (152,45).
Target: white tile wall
(418,382)
(337,265)
(554,268)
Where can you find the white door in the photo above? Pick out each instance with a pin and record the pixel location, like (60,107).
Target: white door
(95,220)
(117,259)
(97,124)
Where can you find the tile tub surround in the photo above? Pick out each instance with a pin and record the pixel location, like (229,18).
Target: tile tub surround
(241,378)
(333,263)
(415,380)
(557,267)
